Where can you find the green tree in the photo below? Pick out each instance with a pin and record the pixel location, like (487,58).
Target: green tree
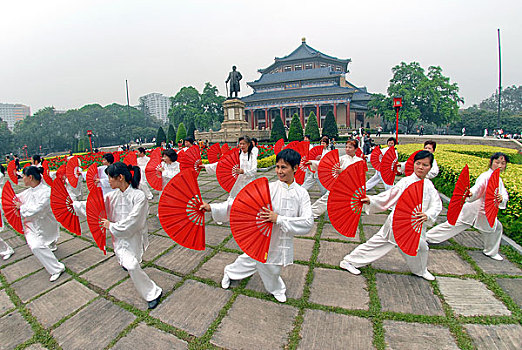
(511,100)
(160,137)
(6,139)
(312,128)
(190,130)
(296,129)
(171,134)
(330,126)
(278,130)
(476,120)
(182,132)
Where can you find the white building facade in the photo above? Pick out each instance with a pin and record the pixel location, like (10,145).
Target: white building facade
(157,105)
(13,113)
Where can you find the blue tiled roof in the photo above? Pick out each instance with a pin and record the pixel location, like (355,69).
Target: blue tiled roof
(298,93)
(307,74)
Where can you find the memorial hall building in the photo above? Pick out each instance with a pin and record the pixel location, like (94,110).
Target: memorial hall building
(307,81)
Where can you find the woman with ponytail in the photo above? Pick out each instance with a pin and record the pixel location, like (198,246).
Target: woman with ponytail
(5,249)
(40,227)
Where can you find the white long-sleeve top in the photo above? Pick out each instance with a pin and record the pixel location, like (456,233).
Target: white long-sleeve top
(347,160)
(127,211)
(142,164)
(473,212)
(292,204)
(104,180)
(38,220)
(169,171)
(315,163)
(249,166)
(431,203)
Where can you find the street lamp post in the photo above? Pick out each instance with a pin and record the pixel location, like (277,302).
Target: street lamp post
(397,104)
(89,133)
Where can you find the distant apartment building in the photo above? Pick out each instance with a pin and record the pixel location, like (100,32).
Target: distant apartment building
(13,113)
(157,105)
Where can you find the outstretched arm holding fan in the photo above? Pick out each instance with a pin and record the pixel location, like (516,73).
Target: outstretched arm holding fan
(477,206)
(414,202)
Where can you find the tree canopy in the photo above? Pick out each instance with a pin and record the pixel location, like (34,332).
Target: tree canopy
(296,129)
(278,130)
(160,137)
(330,126)
(312,128)
(182,132)
(511,100)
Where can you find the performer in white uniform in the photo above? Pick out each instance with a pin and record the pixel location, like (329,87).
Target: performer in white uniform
(127,210)
(103,179)
(255,150)
(309,180)
(189,142)
(5,249)
(143,160)
(40,227)
(314,164)
(429,146)
(383,241)
(169,166)
(374,180)
(292,215)
(320,205)
(473,212)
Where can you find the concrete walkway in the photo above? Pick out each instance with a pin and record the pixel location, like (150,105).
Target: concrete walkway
(474,302)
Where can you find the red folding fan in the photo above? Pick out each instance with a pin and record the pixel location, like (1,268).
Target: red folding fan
(92,176)
(47,178)
(191,159)
(406,228)
(315,154)
(11,171)
(460,193)
(328,167)
(131,159)
(214,153)
(344,202)
(389,166)
(27,165)
(225,170)
(225,149)
(491,203)
(376,157)
(179,213)
(154,176)
(361,155)
(95,210)
(293,145)
(62,207)
(279,145)
(73,171)
(60,173)
(11,213)
(251,234)
(408,167)
(303,149)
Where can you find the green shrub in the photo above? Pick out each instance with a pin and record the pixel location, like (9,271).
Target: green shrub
(160,136)
(182,132)
(330,126)
(312,128)
(278,130)
(296,129)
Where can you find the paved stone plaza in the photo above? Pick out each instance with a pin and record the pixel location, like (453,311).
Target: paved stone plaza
(474,302)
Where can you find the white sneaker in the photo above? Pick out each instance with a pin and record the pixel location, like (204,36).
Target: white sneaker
(55,276)
(8,255)
(427,276)
(53,246)
(496,257)
(219,223)
(225,282)
(280,297)
(349,267)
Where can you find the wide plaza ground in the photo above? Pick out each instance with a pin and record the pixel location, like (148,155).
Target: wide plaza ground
(474,302)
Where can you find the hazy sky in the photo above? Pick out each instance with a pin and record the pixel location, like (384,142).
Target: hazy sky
(71,53)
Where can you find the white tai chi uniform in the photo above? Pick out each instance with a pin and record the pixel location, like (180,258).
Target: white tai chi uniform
(5,249)
(374,180)
(169,171)
(307,185)
(473,214)
(320,205)
(40,226)
(292,204)
(104,180)
(383,241)
(144,186)
(309,180)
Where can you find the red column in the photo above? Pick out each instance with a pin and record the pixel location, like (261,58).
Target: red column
(335,112)
(252,113)
(301,115)
(348,123)
(266,118)
(317,115)
(281,115)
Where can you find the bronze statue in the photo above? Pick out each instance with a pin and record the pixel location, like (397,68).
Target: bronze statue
(234,77)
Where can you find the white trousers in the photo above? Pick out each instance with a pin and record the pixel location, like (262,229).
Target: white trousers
(309,180)
(270,274)
(142,282)
(378,246)
(145,188)
(5,248)
(320,205)
(44,255)
(374,180)
(445,231)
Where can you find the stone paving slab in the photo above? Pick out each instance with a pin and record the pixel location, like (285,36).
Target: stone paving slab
(369,231)
(127,292)
(5,302)
(407,294)
(502,336)
(192,307)
(468,297)
(153,209)
(373,219)
(21,268)
(106,274)
(303,249)
(329,232)
(313,231)
(85,259)
(144,337)
(448,262)
(213,268)
(513,287)
(14,330)
(70,247)
(58,303)
(398,335)
(153,224)
(255,324)
(157,245)
(232,244)
(470,239)
(491,266)
(20,253)
(182,260)
(35,347)
(93,327)
(37,283)
(327,330)
(392,261)
(339,288)
(294,277)
(15,241)
(214,235)
(333,252)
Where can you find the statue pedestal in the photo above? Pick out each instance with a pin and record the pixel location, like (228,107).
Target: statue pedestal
(234,115)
